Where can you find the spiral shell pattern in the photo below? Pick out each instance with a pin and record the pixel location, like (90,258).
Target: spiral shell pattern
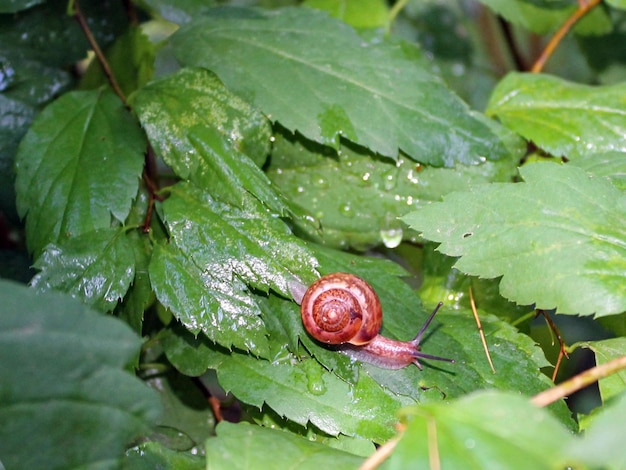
(341,308)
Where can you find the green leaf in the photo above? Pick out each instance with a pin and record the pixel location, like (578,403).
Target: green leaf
(192,98)
(617,3)
(357,13)
(558,239)
(214,251)
(226,241)
(66,402)
(95,267)
(242,446)
(47,34)
(154,455)
(609,164)
(31,82)
(187,419)
(16,117)
(78,165)
(602,446)
(224,311)
(180,11)
(13,6)
(304,393)
(544,16)
(358,197)
(487,429)
(317,76)
(605,351)
(564,118)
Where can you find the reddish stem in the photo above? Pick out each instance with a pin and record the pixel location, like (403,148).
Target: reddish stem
(584,6)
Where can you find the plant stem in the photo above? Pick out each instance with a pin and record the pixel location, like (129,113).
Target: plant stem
(584,6)
(579,381)
(395,9)
(78,15)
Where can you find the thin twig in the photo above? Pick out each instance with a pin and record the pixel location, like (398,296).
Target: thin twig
(381,454)
(433,447)
(150,178)
(584,6)
(562,348)
(78,15)
(579,381)
(480,330)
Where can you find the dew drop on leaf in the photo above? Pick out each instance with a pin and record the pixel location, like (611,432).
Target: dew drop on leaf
(391,237)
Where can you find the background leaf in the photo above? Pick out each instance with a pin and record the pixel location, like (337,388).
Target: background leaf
(239,446)
(320,64)
(563,118)
(62,371)
(600,447)
(357,13)
(558,239)
(64,165)
(479,431)
(358,197)
(605,351)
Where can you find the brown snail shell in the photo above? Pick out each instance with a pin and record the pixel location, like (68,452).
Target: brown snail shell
(343,309)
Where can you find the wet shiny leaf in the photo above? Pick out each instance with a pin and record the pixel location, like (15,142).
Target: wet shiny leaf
(171,107)
(95,267)
(558,239)
(215,252)
(317,76)
(77,167)
(561,117)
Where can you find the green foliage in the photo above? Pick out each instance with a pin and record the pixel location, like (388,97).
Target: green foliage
(242,151)
(558,239)
(62,372)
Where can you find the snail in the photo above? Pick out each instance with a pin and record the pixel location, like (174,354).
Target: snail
(342,309)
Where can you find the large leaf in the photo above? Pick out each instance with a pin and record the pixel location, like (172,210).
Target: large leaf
(483,430)
(601,446)
(78,165)
(171,107)
(358,197)
(304,392)
(96,267)
(317,76)
(66,400)
(215,250)
(564,118)
(242,446)
(558,240)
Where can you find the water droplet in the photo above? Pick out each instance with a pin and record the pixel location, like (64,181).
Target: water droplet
(346,210)
(366,176)
(390,182)
(300,189)
(315,380)
(391,237)
(320,183)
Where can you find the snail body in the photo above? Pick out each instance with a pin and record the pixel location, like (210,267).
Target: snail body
(342,309)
